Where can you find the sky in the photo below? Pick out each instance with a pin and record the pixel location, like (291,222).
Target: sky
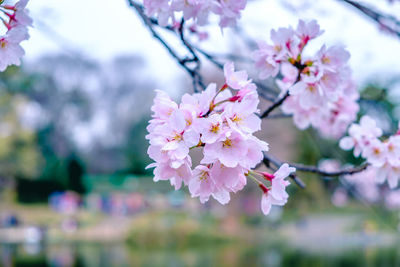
(101,29)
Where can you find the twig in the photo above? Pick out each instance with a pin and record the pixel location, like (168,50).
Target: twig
(197,79)
(279,116)
(385,21)
(194,73)
(276,104)
(267,162)
(313,169)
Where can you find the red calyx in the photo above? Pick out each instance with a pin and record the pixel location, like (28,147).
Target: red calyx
(263,188)
(267,176)
(224,87)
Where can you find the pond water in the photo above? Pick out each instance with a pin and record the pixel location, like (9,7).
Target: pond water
(119,254)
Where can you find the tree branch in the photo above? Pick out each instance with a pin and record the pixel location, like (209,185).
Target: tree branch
(193,72)
(385,21)
(276,104)
(267,162)
(316,170)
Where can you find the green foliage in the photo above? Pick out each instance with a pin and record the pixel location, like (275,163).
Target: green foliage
(136,148)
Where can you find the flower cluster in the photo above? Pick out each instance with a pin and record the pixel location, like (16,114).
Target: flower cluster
(221,125)
(197,10)
(16,21)
(384,156)
(322,93)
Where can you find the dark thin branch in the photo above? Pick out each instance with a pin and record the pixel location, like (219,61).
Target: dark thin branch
(267,162)
(193,72)
(275,105)
(278,102)
(197,78)
(232,57)
(279,116)
(387,22)
(147,22)
(316,170)
(346,171)
(298,181)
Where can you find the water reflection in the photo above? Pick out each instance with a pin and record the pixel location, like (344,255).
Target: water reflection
(119,254)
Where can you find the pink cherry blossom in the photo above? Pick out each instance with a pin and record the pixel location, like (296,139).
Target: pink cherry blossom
(229,179)
(361,135)
(21,16)
(229,11)
(201,184)
(277,194)
(266,60)
(229,151)
(393,149)
(163,106)
(10,48)
(16,22)
(164,172)
(242,115)
(388,172)
(332,58)
(235,79)
(307,31)
(375,153)
(178,138)
(212,128)
(160,8)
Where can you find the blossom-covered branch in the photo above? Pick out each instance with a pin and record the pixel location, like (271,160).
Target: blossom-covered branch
(221,125)
(317,91)
(220,121)
(383,154)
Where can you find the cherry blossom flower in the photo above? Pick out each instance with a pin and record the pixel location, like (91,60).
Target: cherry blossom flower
(235,79)
(229,151)
(276,194)
(160,8)
(229,11)
(15,20)
(361,135)
(307,31)
(10,48)
(202,185)
(20,18)
(375,153)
